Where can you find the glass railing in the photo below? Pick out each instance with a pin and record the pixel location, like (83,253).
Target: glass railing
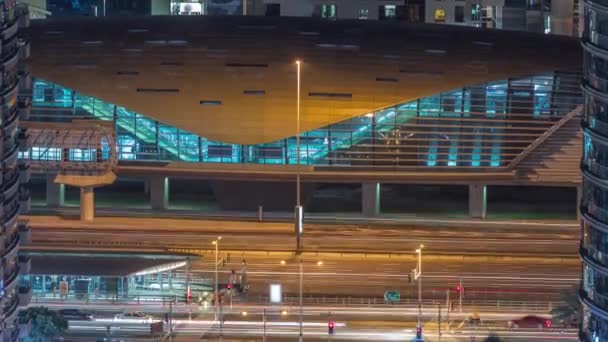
(596,168)
(598,299)
(597,125)
(596,212)
(597,82)
(594,253)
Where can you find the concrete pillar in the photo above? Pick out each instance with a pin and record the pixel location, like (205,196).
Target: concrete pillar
(477,201)
(160,281)
(159,193)
(55,193)
(370,199)
(87,204)
(579,193)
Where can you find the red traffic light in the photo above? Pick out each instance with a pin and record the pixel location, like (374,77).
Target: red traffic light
(229,286)
(418,332)
(458,289)
(330,324)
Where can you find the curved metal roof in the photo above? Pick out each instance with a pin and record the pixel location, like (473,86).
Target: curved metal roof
(233,79)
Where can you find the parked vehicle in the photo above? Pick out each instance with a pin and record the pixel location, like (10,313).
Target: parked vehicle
(137,316)
(76,315)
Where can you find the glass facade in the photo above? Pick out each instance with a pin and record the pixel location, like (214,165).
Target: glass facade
(482,126)
(594,167)
(14,197)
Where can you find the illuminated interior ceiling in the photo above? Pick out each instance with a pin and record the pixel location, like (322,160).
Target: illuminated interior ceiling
(233,79)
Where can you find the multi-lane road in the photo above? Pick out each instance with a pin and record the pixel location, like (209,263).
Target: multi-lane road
(495,262)
(517,267)
(497,238)
(282,322)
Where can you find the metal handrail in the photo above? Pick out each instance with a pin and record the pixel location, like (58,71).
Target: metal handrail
(577,111)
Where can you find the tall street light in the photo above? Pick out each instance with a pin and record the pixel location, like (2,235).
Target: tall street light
(301,324)
(298,210)
(301,338)
(418,276)
(216,242)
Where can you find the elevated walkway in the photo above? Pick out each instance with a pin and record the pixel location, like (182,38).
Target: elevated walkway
(556,160)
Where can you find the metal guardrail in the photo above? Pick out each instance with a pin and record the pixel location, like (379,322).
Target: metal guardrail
(575,112)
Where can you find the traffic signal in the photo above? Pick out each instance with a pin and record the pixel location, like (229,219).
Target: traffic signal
(188,295)
(419,332)
(458,289)
(330,327)
(229,286)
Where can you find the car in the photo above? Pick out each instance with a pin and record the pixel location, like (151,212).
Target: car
(136,316)
(473,320)
(530,322)
(75,315)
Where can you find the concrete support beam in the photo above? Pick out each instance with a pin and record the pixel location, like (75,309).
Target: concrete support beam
(477,201)
(159,193)
(370,199)
(55,193)
(87,204)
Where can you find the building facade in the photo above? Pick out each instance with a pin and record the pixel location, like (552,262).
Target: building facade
(554,17)
(594,246)
(15,86)
(426,111)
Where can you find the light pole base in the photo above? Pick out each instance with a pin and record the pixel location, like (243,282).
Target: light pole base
(301,338)
(298,225)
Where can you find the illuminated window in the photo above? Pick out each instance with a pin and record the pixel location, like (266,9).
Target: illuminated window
(439,15)
(187,7)
(328,11)
(390,11)
(363,13)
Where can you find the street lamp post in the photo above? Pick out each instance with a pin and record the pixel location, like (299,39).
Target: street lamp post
(418,276)
(264,323)
(216,297)
(301,337)
(298,210)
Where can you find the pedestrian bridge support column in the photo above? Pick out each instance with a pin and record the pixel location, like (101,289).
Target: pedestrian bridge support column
(87,203)
(87,184)
(370,199)
(477,201)
(159,192)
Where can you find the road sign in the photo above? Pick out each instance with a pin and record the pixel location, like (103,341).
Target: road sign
(392,296)
(275,293)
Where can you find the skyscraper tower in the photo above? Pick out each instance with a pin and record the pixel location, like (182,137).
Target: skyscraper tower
(594,168)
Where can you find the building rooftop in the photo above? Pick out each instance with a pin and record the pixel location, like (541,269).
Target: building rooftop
(233,79)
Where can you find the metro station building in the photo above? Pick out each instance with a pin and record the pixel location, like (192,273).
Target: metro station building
(214,99)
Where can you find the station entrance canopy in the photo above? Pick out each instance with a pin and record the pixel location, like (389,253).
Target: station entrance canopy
(102,265)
